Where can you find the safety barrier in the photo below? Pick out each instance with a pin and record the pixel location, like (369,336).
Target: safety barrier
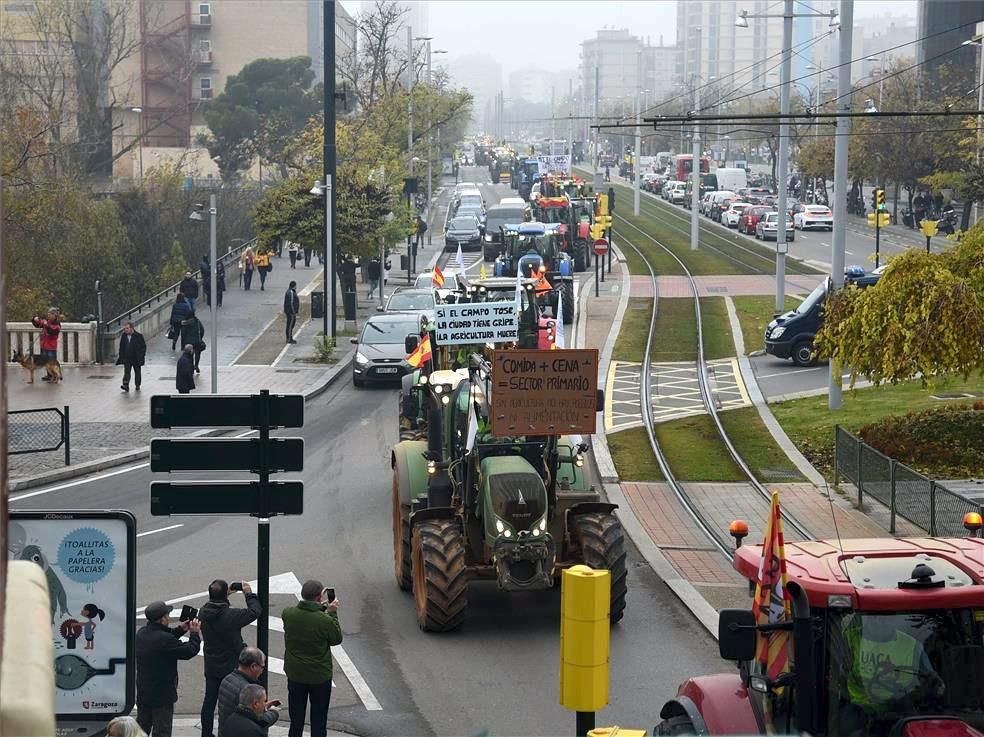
(76,342)
(39,431)
(905,492)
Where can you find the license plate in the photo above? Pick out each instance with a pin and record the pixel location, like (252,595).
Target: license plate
(386,370)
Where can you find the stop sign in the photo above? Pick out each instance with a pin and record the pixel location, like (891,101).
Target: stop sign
(601,246)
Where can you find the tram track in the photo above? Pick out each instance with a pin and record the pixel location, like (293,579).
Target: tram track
(716,536)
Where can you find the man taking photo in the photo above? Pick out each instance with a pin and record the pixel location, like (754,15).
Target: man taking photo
(222,628)
(251,665)
(310,629)
(158,649)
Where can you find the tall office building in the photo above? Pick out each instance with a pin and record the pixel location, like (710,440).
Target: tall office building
(944,25)
(626,66)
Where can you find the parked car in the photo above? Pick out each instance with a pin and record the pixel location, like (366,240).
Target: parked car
(678,193)
(768,228)
(667,188)
(464,230)
(719,207)
(733,214)
(813,216)
(750,218)
(705,202)
(381,352)
(713,205)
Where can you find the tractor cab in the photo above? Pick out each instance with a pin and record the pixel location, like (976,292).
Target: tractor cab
(536,250)
(526,175)
(886,639)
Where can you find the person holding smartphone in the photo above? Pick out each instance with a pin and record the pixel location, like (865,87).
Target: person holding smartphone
(310,629)
(222,629)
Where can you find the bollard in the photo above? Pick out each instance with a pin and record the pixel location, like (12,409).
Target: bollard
(584,643)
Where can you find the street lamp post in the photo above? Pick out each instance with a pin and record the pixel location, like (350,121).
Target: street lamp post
(328,273)
(978,40)
(213,327)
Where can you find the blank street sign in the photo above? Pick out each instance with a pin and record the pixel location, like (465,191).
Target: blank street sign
(225,498)
(236,454)
(217,410)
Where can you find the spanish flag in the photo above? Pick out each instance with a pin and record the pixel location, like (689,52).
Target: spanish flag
(771,603)
(438,277)
(422,354)
(481,272)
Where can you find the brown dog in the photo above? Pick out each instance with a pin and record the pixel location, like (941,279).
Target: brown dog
(33,363)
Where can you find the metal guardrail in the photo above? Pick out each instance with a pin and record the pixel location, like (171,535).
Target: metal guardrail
(115,324)
(39,431)
(905,492)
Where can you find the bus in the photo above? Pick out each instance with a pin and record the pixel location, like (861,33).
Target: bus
(684,166)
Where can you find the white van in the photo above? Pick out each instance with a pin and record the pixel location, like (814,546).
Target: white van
(678,193)
(733,180)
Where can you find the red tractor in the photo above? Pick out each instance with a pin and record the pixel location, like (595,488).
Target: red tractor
(886,639)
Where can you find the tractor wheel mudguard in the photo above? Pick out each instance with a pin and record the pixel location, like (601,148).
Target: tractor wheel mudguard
(410,468)
(719,701)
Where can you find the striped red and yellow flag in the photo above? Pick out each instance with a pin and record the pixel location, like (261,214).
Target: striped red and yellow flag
(772,603)
(422,354)
(438,277)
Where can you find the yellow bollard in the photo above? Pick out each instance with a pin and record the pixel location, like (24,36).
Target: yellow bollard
(584,642)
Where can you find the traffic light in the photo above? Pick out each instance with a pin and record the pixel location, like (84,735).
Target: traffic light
(602,204)
(597,231)
(605,221)
(879,199)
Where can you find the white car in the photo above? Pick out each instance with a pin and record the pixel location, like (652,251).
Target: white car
(678,193)
(813,216)
(732,215)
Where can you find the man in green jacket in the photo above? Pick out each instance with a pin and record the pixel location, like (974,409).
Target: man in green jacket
(310,629)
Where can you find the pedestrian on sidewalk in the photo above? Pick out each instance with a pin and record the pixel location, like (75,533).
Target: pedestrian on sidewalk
(247,719)
(221,283)
(292,253)
(206,268)
(246,265)
(252,662)
(292,305)
(310,629)
(50,329)
(189,288)
(222,629)
(193,334)
(158,649)
(373,270)
(387,267)
(131,355)
(181,310)
(185,378)
(420,230)
(263,266)
(307,256)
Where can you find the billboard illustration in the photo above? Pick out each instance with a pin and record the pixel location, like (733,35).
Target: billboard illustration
(89,562)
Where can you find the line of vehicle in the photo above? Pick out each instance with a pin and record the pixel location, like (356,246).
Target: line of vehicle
(703,381)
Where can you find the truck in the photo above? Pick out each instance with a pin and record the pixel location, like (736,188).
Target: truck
(468,505)
(731,179)
(886,638)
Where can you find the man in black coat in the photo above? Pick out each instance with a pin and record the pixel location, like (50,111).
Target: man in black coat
(131,354)
(222,627)
(185,379)
(292,305)
(158,649)
(189,288)
(245,721)
(251,665)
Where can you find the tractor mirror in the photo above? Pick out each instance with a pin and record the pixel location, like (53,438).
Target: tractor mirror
(411,343)
(736,634)
(600,401)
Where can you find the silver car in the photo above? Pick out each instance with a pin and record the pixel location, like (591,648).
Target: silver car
(381,353)
(417,301)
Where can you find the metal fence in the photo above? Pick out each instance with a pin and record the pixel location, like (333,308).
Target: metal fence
(39,431)
(905,492)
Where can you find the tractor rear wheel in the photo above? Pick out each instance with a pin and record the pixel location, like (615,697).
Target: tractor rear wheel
(580,256)
(678,725)
(440,578)
(401,538)
(602,542)
(568,305)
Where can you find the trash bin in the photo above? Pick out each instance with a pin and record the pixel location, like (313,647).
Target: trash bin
(404,262)
(349,301)
(317,305)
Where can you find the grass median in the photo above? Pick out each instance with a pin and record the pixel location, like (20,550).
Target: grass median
(675,338)
(810,424)
(633,456)
(754,313)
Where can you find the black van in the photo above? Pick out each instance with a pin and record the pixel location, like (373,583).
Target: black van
(791,334)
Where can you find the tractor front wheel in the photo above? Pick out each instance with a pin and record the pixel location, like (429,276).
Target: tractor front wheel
(440,578)
(580,256)
(568,305)
(401,538)
(602,543)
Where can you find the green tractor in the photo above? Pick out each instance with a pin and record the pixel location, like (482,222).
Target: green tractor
(468,505)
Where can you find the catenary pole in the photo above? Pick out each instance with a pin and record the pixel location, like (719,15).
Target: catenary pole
(214,269)
(329,277)
(841,144)
(785,72)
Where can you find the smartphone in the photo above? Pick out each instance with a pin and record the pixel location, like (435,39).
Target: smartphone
(236,586)
(328,594)
(188,613)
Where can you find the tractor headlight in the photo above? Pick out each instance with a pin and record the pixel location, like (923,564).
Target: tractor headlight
(543,524)
(579,460)
(361,360)
(507,533)
(431,467)
(445,399)
(488,238)
(499,527)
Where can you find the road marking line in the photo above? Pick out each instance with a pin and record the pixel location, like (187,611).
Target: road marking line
(791,371)
(162,529)
(283,352)
(739,384)
(609,393)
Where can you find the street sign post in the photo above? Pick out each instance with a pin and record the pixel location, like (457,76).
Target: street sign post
(544,392)
(261,499)
(600,247)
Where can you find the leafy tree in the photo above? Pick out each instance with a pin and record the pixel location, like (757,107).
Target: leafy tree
(925,318)
(259,112)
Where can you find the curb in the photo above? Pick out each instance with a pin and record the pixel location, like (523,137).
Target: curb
(121,459)
(762,407)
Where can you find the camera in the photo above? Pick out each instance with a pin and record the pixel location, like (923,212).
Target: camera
(236,586)
(188,613)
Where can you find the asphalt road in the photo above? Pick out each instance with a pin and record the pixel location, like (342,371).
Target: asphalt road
(499,673)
